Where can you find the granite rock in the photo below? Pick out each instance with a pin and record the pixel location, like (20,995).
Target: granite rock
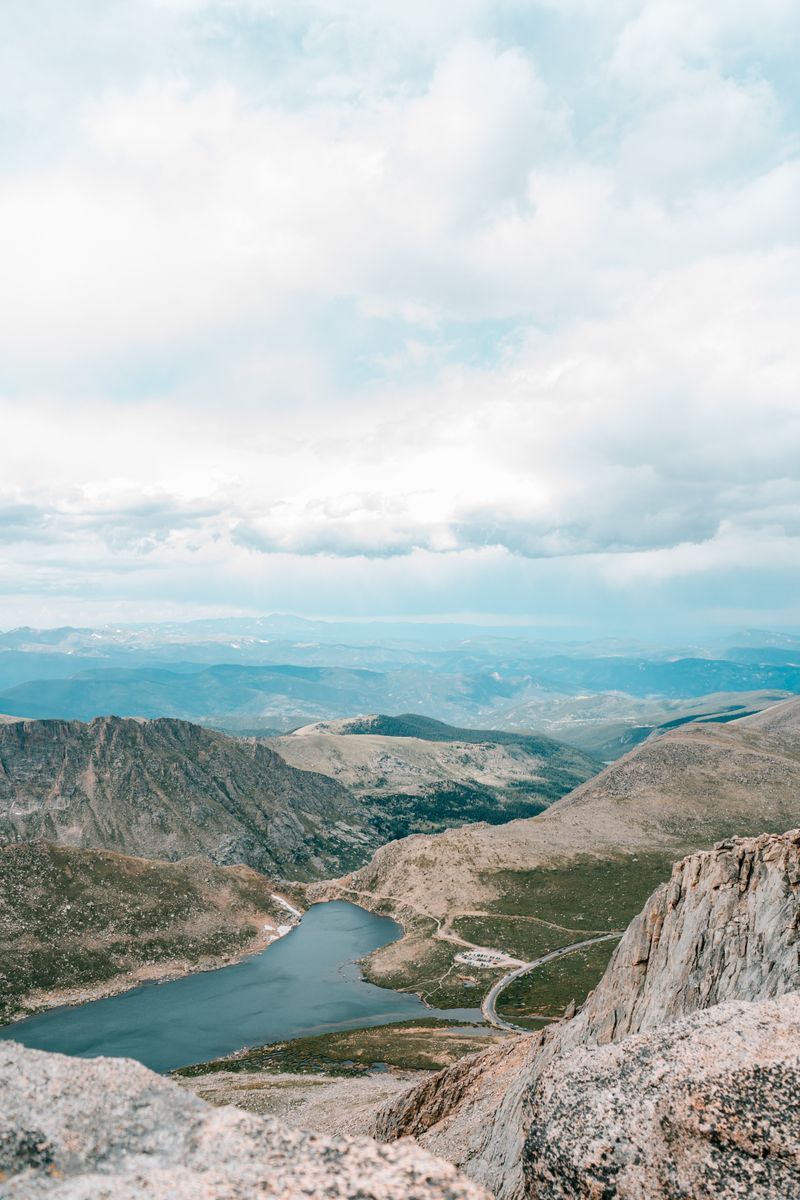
(705,1108)
(726,927)
(109,1129)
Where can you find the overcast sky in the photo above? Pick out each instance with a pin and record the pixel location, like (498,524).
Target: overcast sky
(370,307)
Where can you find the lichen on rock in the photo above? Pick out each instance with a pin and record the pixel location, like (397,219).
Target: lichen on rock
(77,1129)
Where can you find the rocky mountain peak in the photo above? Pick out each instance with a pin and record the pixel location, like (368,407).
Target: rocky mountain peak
(723,929)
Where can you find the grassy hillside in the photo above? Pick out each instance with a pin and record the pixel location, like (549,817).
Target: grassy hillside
(422,775)
(81,922)
(585,865)
(426,1045)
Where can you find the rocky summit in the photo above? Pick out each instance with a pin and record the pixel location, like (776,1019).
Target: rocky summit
(721,937)
(72,1129)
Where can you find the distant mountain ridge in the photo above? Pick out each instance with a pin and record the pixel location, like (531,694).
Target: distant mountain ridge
(439,775)
(414,725)
(169,789)
(280,673)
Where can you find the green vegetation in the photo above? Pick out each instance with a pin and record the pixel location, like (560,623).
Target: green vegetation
(585,894)
(548,990)
(522,937)
(535,912)
(429,969)
(78,918)
(425,1045)
(448,805)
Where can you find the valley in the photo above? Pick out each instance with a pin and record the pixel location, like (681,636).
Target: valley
(581,868)
(514,864)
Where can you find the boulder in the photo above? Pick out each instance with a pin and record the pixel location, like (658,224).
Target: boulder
(706,1108)
(109,1129)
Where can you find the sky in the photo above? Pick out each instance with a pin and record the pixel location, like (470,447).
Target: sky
(361,308)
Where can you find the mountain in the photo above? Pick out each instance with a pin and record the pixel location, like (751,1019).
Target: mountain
(237,697)
(168,789)
(436,774)
(586,864)
(708,1100)
(75,924)
(413,725)
(260,674)
(607,725)
(191,692)
(679,1079)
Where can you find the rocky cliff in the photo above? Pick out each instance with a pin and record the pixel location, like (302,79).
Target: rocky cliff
(725,928)
(167,789)
(77,1130)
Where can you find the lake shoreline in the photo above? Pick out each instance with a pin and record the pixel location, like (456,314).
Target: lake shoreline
(332,993)
(151,973)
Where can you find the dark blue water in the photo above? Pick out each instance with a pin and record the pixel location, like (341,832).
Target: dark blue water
(308,982)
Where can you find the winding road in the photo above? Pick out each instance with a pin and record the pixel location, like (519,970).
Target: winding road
(489,1005)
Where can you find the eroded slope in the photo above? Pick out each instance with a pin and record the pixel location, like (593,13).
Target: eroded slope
(167,789)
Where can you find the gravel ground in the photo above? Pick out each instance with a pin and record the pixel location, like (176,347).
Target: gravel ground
(321,1103)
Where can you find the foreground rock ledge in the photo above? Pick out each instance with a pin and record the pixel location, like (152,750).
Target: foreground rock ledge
(707,1108)
(77,1129)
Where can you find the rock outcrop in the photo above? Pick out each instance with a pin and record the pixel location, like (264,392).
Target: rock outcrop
(73,1129)
(726,927)
(707,1108)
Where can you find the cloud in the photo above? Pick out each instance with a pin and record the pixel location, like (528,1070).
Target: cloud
(300,297)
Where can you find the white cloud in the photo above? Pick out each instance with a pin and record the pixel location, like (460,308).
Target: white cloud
(443,309)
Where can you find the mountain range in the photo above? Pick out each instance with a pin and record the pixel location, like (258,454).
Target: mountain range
(273,674)
(168,789)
